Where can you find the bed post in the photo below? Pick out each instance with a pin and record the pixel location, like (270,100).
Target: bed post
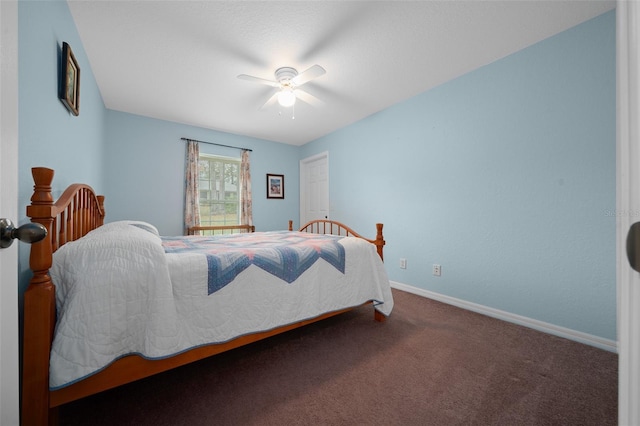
(100,218)
(379,241)
(39,308)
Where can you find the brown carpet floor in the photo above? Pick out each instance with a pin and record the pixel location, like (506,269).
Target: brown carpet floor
(428,364)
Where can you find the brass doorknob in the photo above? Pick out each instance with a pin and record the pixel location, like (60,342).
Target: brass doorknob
(27,233)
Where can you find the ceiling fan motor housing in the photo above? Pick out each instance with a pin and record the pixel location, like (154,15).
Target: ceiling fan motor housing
(285,74)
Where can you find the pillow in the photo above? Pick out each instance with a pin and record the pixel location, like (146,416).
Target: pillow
(116,249)
(123,225)
(146,226)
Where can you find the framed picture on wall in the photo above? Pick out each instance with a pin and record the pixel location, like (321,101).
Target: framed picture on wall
(70,80)
(275,186)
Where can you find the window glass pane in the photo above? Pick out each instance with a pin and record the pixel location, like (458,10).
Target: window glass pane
(219,191)
(203,185)
(203,169)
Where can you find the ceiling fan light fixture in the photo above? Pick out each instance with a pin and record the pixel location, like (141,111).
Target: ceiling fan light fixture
(286,97)
(288,81)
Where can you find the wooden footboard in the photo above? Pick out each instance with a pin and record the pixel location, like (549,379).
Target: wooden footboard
(72,216)
(325,226)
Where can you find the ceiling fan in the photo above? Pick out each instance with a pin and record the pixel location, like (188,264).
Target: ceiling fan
(288,81)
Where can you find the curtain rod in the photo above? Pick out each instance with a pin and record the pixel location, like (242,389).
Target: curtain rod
(218,144)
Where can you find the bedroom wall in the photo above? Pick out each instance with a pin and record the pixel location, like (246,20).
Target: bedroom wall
(504,176)
(49,135)
(145,169)
(111,149)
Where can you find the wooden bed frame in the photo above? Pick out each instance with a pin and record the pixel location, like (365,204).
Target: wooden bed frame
(324,226)
(74,214)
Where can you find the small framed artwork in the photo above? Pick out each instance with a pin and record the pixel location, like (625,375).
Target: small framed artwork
(275,186)
(70,80)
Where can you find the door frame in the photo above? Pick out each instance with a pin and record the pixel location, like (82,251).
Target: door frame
(9,340)
(628,206)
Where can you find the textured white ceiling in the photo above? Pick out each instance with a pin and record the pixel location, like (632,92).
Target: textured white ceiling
(178,60)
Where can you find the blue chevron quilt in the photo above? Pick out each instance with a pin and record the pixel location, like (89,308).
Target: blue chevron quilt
(284,254)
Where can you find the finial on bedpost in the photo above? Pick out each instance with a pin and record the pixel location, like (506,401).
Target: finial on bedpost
(41,211)
(290,225)
(42,177)
(379,240)
(101,205)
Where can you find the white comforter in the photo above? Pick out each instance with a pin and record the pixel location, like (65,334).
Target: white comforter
(118,293)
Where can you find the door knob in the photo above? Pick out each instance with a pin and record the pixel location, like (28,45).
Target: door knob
(27,233)
(633,246)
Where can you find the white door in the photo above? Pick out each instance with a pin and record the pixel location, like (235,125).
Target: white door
(314,188)
(9,399)
(628,204)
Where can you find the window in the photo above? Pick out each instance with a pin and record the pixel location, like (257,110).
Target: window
(219,186)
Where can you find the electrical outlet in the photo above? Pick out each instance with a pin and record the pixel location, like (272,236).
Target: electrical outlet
(403,263)
(437,271)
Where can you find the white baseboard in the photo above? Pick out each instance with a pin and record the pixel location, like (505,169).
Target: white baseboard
(578,336)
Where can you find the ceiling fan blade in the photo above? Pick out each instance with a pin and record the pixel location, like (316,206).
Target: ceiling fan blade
(259,80)
(308,98)
(272,100)
(308,75)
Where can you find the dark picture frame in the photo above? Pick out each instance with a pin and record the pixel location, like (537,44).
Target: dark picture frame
(275,186)
(70,80)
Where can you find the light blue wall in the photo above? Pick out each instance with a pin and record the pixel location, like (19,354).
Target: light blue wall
(504,176)
(110,149)
(49,134)
(145,169)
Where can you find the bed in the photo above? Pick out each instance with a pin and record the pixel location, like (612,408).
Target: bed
(68,352)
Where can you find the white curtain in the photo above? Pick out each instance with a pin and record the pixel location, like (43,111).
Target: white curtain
(192,199)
